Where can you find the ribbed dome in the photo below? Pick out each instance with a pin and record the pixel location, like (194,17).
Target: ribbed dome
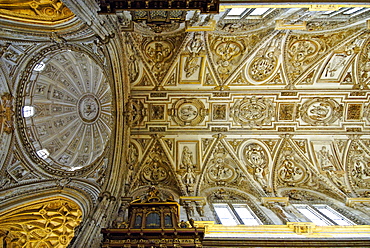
(72,103)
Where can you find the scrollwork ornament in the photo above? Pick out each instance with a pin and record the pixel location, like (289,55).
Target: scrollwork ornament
(367,112)
(135,112)
(321,111)
(359,164)
(256,158)
(155,172)
(252,111)
(226,50)
(188,112)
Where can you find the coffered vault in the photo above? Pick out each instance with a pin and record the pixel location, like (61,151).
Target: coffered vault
(263,105)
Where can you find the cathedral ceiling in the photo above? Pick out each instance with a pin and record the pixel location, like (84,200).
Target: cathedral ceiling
(248,103)
(257,102)
(239,97)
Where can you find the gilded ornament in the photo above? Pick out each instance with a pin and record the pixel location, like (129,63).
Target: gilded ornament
(6,114)
(252,111)
(265,62)
(227,53)
(358,161)
(321,111)
(256,159)
(44,11)
(45,223)
(188,112)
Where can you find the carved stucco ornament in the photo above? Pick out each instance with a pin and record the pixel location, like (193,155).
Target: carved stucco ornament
(45,223)
(252,111)
(227,52)
(256,159)
(6,114)
(135,112)
(188,112)
(46,12)
(221,169)
(367,112)
(321,111)
(72,119)
(358,161)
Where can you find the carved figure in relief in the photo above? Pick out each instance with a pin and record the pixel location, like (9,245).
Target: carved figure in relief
(191,62)
(132,155)
(361,171)
(188,112)
(186,158)
(154,171)
(320,111)
(325,159)
(337,63)
(257,160)
(290,172)
(220,171)
(189,177)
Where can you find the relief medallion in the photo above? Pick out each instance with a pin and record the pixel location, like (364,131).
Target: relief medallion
(252,111)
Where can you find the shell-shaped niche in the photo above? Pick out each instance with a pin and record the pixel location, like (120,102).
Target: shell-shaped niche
(67,111)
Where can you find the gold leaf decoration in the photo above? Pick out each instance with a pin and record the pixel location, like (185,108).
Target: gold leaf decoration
(45,223)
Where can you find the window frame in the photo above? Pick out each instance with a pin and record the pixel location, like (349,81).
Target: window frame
(231,207)
(315,209)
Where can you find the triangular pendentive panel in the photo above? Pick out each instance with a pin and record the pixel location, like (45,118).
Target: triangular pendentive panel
(294,169)
(157,168)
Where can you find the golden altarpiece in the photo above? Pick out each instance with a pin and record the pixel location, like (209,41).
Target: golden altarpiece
(252,117)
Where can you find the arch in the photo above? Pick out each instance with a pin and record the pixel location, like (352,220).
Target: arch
(46,222)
